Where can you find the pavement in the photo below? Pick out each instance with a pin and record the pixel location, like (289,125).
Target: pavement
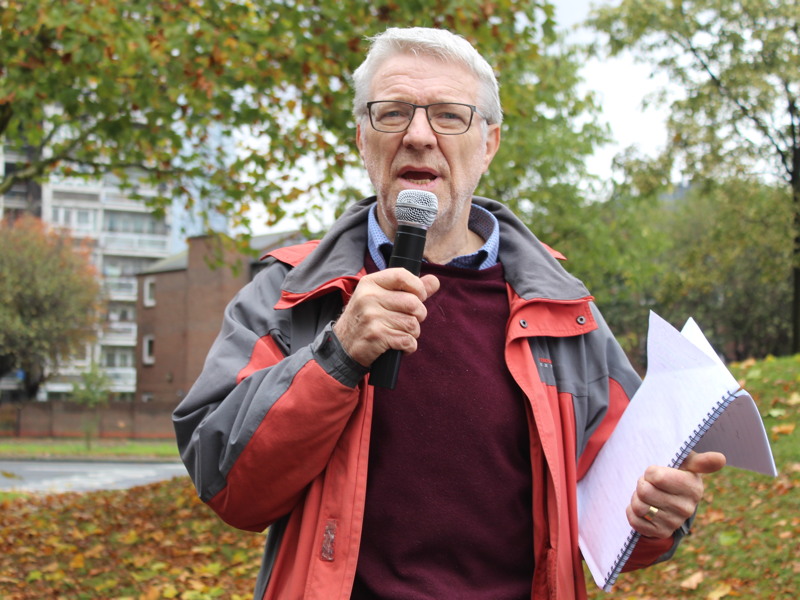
(56,476)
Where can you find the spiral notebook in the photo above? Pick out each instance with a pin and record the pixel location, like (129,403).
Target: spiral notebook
(687,401)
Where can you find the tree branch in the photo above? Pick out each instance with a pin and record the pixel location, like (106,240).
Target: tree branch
(746,111)
(126,165)
(41,166)
(6,112)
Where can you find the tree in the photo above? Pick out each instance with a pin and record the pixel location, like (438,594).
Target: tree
(618,257)
(221,104)
(92,393)
(728,266)
(715,250)
(550,130)
(738,66)
(49,299)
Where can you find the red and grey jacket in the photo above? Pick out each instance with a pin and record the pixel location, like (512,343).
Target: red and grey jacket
(275,432)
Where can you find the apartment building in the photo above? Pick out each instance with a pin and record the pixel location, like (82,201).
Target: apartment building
(125,238)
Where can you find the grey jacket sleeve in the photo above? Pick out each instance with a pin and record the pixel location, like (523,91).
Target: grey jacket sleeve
(263,417)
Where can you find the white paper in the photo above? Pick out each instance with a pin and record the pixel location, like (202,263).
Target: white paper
(685,381)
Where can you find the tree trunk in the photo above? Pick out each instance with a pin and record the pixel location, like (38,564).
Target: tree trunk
(796,263)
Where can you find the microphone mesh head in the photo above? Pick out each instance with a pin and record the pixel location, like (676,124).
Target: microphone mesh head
(416,207)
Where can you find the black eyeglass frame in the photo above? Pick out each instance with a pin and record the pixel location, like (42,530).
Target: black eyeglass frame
(473,111)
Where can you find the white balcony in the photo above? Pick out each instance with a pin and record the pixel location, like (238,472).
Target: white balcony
(121,288)
(118,333)
(123,379)
(138,244)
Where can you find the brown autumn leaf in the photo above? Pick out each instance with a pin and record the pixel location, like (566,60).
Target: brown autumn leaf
(784,429)
(694,580)
(713,515)
(722,590)
(747,363)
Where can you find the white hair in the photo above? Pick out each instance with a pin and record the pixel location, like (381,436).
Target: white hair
(438,43)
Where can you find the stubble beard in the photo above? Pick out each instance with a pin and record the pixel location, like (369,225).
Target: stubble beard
(450,213)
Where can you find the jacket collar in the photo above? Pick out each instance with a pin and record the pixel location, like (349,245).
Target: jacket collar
(531,268)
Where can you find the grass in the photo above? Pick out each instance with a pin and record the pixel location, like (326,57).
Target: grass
(160,541)
(75,448)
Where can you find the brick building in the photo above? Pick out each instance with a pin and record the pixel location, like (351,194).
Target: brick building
(179,311)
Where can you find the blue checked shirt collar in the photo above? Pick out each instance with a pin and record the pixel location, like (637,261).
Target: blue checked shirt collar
(481,221)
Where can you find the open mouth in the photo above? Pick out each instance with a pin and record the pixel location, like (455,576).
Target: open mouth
(419,177)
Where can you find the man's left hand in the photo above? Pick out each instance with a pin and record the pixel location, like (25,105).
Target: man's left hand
(666,497)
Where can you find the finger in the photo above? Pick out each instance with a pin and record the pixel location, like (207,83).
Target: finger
(648,520)
(677,503)
(431,283)
(401,324)
(675,482)
(402,311)
(638,506)
(394,290)
(653,513)
(401,280)
(703,462)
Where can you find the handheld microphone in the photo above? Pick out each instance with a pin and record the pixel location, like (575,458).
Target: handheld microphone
(415,211)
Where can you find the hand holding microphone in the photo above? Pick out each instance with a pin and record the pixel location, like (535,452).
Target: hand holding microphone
(387,307)
(415,211)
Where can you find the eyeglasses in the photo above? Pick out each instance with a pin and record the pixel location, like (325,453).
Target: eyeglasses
(446,118)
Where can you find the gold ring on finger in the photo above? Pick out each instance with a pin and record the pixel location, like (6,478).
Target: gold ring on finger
(652,511)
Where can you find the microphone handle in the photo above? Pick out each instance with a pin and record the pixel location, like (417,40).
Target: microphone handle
(409,244)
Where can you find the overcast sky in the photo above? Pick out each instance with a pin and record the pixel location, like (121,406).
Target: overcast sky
(620,85)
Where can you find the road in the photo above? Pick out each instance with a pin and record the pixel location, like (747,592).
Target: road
(68,476)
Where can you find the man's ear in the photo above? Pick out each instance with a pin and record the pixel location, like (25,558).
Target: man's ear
(359,141)
(492,145)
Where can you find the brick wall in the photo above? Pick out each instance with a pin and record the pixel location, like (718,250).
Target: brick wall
(56,418)
(184,320)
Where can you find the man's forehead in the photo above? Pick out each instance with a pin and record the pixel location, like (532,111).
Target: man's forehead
(407,70)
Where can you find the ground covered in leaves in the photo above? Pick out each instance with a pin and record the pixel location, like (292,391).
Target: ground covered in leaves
(159,541)
(151,542)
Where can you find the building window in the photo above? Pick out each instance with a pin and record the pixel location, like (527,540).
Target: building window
(120,357)
(81,355)
(85,220)
(150,291)
(148,349)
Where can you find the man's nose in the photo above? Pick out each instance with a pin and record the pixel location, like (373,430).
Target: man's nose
(419,132)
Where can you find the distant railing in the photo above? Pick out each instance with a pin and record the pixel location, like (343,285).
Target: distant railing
(121,377)
(135,242)
(124,331)
(120,288)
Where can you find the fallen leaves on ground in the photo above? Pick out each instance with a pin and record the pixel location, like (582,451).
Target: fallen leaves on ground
(150,542)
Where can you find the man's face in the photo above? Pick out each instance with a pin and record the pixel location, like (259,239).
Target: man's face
(450,166)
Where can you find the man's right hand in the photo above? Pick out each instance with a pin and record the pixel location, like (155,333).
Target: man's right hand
(385,312)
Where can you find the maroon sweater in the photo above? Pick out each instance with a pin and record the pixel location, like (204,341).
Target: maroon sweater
(448,507)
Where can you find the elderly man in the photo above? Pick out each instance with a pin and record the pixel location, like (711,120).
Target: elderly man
(459,483)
